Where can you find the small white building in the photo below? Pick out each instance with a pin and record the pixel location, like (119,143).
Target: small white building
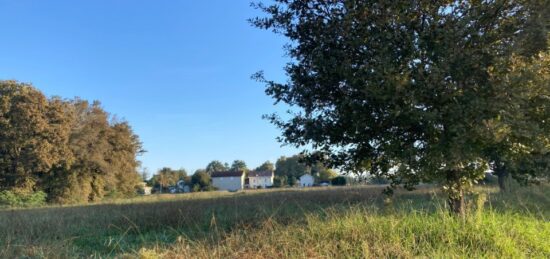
(306,180)
(230,181)
(260,179)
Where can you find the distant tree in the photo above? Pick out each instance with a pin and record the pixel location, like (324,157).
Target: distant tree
(239,165)
(266,166)
(325,175)
(292,181)
(216,166)
(339,181)
(291,167)
(280,181)
(201,179)
(398,88)
(167,177)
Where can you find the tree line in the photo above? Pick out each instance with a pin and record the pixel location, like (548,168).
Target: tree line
(71,150)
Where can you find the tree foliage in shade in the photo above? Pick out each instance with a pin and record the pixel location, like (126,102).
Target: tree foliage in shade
(216,166)
(399,88)
(201,179)
(72,150)
(266,166)
(239,165)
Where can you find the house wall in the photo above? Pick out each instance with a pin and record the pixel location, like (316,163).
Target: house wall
(306,180)
(230,183)
(260,181)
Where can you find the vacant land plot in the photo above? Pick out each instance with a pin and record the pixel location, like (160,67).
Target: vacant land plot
(289,223)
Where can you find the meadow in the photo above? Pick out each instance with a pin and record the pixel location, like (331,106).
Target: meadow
(333,222)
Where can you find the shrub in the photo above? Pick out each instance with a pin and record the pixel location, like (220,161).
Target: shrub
(378,180)
(339,181)
(10,198)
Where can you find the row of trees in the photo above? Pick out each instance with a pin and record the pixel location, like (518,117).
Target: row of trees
(72,150)
(417,91)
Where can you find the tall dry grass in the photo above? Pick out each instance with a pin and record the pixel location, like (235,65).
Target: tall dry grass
(349,222)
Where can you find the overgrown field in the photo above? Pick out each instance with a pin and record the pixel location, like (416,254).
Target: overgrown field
(342,222)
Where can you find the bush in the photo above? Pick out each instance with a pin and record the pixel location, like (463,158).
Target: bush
(339,181)
(10,198)
(378,180)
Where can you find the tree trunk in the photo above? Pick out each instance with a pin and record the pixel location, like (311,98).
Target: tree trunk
(502,174)
(457,204)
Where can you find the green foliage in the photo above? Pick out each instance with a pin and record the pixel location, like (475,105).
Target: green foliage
(266,166)
(400,88)
(10,198)
(280,181)
(325,174)
(291,167)
(239,165)
(339,181)
(166,177)
(216,166)
(292,181)
(201,179)
(296,166)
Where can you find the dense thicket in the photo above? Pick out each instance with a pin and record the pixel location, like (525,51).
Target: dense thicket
(433,91)
(72,150)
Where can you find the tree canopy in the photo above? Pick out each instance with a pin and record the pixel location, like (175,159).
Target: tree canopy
(239,165)
(216,166)
(70,149)
(400,88)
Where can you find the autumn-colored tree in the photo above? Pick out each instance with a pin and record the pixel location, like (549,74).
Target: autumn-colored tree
(34,133)
(70,149)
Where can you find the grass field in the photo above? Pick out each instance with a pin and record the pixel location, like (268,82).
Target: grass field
(347,222)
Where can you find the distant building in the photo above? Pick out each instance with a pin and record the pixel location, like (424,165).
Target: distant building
(306,180)
(144,189)
(229,180)
(182,187)
(261,179)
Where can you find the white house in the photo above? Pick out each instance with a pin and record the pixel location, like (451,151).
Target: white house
(230,181)
(261,179)
(306,180)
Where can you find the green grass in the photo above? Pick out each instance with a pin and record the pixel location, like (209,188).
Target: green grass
(350,222)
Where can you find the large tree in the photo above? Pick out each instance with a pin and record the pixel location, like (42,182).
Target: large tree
(396,88)
(70,149)
(33,134)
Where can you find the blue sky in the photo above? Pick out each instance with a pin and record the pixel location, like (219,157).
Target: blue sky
(178,71)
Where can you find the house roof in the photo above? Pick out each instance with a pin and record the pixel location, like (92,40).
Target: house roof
(260,174)
(227,174)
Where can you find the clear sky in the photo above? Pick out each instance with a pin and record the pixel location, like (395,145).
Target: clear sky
(178,71)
